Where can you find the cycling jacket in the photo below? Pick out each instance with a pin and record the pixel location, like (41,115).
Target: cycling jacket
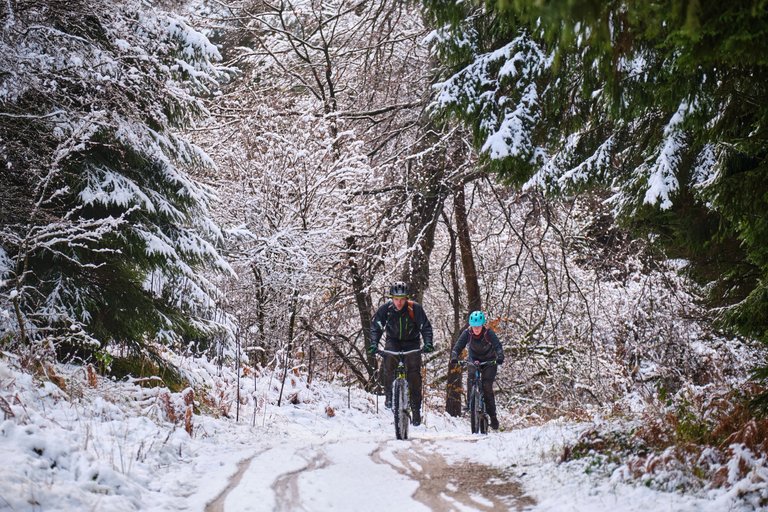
(402,332)
(484,347)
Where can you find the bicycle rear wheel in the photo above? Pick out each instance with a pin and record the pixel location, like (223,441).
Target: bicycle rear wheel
(400,408)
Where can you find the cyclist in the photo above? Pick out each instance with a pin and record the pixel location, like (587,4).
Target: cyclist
(403,321)
(484,345)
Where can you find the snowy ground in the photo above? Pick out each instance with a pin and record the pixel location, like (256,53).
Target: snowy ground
(108,448)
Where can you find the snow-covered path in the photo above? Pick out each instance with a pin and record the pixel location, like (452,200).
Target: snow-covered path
(330,451)
(351,462)
(375,476)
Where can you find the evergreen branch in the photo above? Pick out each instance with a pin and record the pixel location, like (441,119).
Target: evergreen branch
(32,116)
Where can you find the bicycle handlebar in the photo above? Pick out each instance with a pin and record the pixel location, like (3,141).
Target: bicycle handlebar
(477,363)
(398,353)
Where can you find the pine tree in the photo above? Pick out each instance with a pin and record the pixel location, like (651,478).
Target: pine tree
(662,103)
(103,234)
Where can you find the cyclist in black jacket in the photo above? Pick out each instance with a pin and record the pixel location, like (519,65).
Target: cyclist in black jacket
(403,321)
(484,345)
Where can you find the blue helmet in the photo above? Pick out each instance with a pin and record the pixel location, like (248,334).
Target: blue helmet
(476,319)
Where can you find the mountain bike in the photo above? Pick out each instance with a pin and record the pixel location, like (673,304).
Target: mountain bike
(479,418)
(401,405)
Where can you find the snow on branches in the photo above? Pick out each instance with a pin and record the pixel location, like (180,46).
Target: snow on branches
(96,171)
(508,113)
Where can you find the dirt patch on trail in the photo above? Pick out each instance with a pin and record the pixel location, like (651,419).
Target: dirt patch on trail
(460,486)
(470,485)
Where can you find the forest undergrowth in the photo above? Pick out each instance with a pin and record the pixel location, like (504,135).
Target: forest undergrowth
(699,439)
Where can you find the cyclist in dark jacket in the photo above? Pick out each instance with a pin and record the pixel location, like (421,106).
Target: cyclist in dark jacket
(484,346)
(403,321)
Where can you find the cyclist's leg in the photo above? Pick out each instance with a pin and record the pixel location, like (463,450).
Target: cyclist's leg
(388,367)
(413,365)
(470,382)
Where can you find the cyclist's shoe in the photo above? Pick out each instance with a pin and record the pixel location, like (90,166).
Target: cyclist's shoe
(416,419)
(388,403)
(494,423)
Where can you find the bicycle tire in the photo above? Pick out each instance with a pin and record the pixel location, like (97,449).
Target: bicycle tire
(474,410)
(400,408)
(483,420)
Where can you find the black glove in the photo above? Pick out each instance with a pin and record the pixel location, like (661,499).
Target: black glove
(373,349)
(428,347)
(500,360)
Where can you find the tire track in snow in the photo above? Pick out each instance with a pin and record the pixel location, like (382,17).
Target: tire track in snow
(286,486)
(217,504)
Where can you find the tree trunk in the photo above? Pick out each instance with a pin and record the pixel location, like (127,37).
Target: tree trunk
(289,346)
(454,380)
(454,387)
(467,259)
(426,207)
(20,276)
(364,308)
(258,357)
(454,383)
(453,275)
(362,299)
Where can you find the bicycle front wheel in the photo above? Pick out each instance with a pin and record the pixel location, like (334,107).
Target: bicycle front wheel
(474,411)
(483,419)
(400,408)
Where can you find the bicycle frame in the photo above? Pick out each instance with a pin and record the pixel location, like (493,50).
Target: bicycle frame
(479,418)
(401,406)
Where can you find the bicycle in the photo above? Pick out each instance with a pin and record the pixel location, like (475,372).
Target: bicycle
(479,418)
(401,405)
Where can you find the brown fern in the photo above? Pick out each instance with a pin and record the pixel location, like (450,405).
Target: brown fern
(167,406)
(737,423)
(55,378)
(188,420)
(753,434)
(189,396)
(91,375)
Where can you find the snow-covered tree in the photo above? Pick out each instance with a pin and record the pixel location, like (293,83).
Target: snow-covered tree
(102,231)
(660,104)
(319,137)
